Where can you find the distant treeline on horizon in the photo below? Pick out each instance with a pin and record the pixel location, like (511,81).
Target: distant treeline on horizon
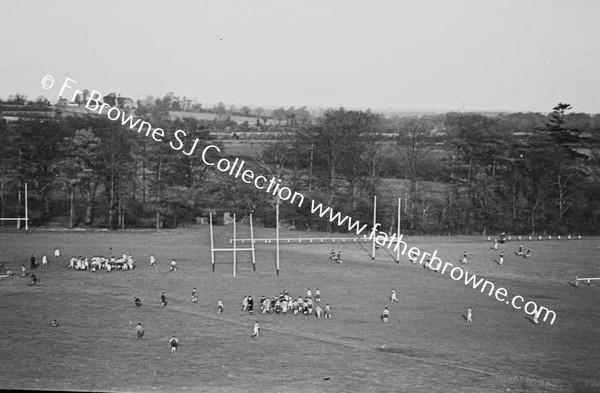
(459,173)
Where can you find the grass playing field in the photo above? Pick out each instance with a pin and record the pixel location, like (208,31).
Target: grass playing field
(426,347)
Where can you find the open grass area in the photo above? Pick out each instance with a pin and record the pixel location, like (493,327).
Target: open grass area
(426,347)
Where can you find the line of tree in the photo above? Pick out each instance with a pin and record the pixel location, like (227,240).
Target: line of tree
(172,102)
(457,173)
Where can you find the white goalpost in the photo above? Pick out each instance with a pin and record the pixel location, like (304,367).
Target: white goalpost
(234,249)
(19,219)
(374,247)
(310,240)
(277,233)
(398,232)
(252,241)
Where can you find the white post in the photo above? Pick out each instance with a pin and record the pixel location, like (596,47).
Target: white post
(26,212)
(277,232)
(374,224)
(398,233)
(234,248)
(212,244)
(252,241)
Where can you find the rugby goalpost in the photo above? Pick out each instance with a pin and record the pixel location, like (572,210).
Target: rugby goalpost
(374,247)
(277,239)
(19,219)
(234,241)
(233,249)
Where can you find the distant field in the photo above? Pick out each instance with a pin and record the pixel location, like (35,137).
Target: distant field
(244,149)
(427,347)
(211,116)
(175,114)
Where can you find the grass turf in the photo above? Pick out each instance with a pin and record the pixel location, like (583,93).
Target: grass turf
(427,347)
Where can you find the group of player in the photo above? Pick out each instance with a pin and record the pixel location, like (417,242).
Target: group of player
(464,260)
(284,303)
(279,304)
(337,258)
(152,260)
(163,300)
(140,332)
(519,253)
(385,314)
(97,262)
(139,329)
(126,262)
(33,265)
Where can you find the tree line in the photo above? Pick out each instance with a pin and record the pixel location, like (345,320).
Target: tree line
(457,173)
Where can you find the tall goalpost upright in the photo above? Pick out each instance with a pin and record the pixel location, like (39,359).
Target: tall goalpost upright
(19,219)
(374,247)
(277,234)
(234,249)
(374,224)
(398,232)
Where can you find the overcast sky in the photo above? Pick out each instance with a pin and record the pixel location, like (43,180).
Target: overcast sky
(444,55)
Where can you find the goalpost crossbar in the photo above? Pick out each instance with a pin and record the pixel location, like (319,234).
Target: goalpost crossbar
(19,219)
(233,249)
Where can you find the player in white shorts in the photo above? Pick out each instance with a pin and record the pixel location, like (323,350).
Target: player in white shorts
(284,306)
(393,297)
(385,315)
(309,303)
(318,311)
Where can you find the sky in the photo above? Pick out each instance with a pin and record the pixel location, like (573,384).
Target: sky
(426,55)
